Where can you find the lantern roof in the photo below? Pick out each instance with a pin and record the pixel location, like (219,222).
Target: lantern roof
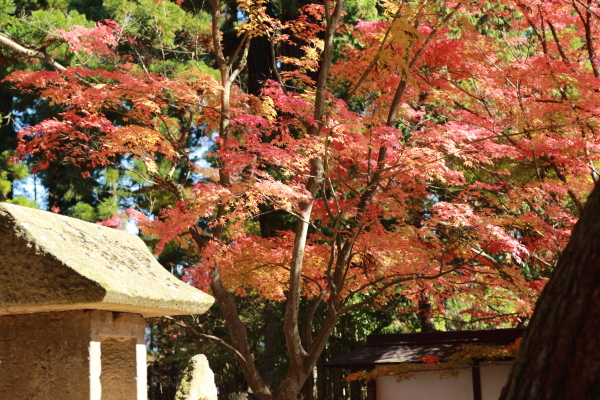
(50,262)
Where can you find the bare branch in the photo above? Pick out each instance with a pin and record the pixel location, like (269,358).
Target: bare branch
(205,336)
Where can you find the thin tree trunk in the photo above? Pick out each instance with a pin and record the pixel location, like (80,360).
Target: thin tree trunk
(425,313)
(559,358)
(322,382)
(272,328)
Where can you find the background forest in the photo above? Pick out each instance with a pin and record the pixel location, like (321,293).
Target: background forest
(326,171)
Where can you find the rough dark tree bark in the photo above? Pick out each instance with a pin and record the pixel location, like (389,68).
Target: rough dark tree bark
(559,358)
(425,313)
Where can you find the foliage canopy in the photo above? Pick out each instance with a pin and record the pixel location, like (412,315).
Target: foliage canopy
(432,151)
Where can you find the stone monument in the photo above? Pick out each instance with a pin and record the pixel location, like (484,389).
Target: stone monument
(198,381)
(73,298)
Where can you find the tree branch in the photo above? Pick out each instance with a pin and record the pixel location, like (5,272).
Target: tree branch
(17,48)
(205,336)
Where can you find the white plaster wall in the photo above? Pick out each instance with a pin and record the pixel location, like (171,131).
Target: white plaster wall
(95,371)
(142,372)
(493,379)
(426,385)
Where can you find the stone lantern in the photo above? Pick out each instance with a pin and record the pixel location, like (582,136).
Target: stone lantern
(73,298)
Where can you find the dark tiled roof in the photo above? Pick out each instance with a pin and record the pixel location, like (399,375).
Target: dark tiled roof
(410,347)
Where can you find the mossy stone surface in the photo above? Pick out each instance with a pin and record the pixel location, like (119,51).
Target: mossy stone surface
(49,262)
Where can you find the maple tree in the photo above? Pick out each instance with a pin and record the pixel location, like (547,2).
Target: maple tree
(441,152)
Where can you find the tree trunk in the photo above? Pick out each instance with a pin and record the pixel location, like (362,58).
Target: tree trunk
(272,327)
(559,358)
(425,313)
(8,135)
(259,64)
